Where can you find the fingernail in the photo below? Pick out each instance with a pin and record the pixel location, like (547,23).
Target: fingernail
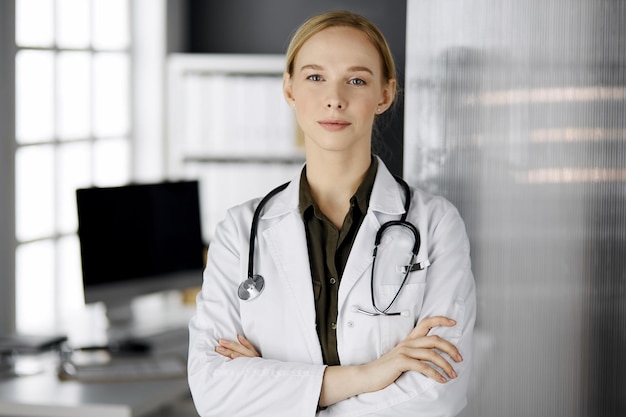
(454,375)
(453,322)
(459,358)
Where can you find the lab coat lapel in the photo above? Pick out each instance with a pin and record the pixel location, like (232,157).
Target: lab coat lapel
(360,258)
(386,203)
(286,243)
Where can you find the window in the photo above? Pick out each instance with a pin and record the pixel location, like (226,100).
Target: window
(73,126)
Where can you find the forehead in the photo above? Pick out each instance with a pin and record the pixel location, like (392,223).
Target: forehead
(339,45)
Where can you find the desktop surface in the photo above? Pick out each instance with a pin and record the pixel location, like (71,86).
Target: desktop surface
(45,395)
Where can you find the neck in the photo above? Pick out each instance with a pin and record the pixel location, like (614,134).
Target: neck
(333,180)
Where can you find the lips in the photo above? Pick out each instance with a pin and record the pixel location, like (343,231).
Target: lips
(334,125)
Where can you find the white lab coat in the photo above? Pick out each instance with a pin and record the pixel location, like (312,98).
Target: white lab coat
(280,322)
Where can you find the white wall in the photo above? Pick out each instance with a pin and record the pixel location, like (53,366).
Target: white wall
(150,50)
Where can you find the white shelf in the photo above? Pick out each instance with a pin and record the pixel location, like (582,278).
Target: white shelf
(248,64)
(221,106)
(230,127)
(243,158)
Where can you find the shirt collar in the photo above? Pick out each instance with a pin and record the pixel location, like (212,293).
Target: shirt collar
(360,199)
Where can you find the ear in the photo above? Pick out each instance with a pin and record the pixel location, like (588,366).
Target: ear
(287,89)
(388,95)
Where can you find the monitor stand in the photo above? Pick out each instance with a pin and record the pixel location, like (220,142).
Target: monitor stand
(132,327)
(121,331)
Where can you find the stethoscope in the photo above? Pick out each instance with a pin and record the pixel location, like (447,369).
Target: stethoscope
(254,284)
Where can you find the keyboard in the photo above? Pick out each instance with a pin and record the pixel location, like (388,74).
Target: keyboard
(167,338)
(132,368)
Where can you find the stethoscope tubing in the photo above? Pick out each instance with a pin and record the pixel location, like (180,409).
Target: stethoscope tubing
(254,284)
(254,225)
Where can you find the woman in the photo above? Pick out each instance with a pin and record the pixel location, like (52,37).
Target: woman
(312,340)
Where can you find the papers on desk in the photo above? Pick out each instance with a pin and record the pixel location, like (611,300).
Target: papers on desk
(127,368)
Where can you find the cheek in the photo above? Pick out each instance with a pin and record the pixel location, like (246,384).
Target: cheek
(302,92)
(305,104)
(365,102)
(302,109)
(367,108)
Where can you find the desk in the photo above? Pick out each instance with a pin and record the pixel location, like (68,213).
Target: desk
(43,395)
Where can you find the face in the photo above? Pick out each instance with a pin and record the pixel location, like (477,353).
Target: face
(337,89)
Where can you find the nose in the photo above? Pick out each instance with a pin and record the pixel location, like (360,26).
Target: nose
(335,99)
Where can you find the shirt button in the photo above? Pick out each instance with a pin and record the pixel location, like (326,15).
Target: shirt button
(333,280)
(350,324)
(333,326)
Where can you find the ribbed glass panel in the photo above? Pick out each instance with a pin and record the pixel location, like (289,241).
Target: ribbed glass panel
(516,112)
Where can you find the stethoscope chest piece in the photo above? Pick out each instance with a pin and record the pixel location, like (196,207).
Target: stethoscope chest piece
(251,288)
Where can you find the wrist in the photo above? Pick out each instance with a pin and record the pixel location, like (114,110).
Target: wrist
(363,373)
(343,382)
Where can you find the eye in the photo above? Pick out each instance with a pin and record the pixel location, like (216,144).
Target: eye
(314,77)
(357,81)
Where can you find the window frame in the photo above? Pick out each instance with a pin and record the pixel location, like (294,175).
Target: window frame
(56,143)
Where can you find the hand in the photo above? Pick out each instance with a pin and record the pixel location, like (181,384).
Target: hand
(415,353)
(235,350)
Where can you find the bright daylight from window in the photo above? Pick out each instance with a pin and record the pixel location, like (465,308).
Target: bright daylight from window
(72,131)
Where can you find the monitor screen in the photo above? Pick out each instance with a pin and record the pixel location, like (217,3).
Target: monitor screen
(139,239)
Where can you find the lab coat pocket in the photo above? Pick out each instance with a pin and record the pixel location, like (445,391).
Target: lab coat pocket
(394,329)
(406,297)
(392,261)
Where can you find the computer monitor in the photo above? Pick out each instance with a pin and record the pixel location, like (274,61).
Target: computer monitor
(139,239)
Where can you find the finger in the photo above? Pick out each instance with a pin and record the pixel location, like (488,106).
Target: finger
(238,348)
(229,353)
(425,325)
(433,374)
(232,346)
(432,356)
(224,351)
(435,358)
(246,343)
(435,342)
(426,370)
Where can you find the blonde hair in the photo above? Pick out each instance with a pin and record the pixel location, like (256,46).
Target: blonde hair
(342,18)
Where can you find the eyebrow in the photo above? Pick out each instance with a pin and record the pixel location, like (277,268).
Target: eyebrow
(351,69)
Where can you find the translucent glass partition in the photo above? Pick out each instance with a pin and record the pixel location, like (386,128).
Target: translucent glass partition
(516,111)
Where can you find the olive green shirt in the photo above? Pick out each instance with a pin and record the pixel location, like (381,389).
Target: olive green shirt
(329,249)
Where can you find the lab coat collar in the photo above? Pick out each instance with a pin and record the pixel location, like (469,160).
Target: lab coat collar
(386,198)
(288,202)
